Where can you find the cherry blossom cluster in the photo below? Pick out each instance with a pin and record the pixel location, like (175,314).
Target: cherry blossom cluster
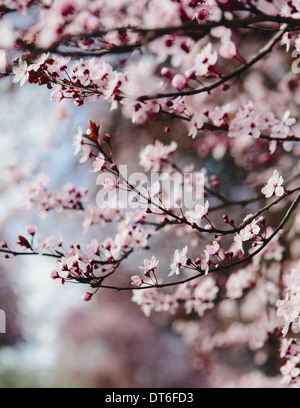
(291,369)
(94,78)
(226,257)
(44,200)
(288,310)
(194,297)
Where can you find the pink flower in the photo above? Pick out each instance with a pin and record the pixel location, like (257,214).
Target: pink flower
(205,263)
(38,62)
(98,164)
(78,141)
(31,229)
(199,212)
(238,244)
(213,249)
(94,247)
(87,297)
(149,265)
(21,72)
(228,49)
(154,191)
(195,124)
(204,60)
(179,260)
(50,243)
(56,94)
(274,186)
(109,184)
(54,275)
(152,156)
(137,281)
(251,230)
(179,82)
(86,153)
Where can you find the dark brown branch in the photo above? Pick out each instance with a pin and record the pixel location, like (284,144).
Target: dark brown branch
(248,258)
(262,53)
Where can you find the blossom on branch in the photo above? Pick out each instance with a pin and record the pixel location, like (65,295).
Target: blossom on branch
(21,72)
(179,260)
(274,185)
(185,76)
(149,265)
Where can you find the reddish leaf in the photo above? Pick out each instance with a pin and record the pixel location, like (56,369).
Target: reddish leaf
(23,242)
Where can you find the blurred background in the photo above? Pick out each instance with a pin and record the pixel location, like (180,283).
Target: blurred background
(53,338)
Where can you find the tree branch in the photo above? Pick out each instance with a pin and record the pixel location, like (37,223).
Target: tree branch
(262,53)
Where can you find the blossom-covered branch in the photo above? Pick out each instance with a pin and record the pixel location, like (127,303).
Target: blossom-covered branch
(211,226)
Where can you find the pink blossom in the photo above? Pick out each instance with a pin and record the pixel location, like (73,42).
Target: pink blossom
(149,265)
(49,244)
(274,186)
(137,281)
(141,78)
(109,184)
(38,62)
(179,82)
(78,141)
(237,244)
(98,164)
(21,72)
(213,249)
(203,296)
(199,212)
(57,94)
(87,297)
(228,49)
(290,370)
(238,282)
(153,155)
(94,247)
(179,260)
(204,60)
(282,130)
(154,190)
(31,229)
(289,307)
(205,262)
(250,120)
(86,153)
(59,64)
(251,230)
(54,275)
(195,124)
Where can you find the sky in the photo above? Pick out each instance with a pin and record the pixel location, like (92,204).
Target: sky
(34,130)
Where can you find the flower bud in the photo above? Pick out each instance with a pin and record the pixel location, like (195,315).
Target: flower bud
(166,73)
(31,229)
(262,220)
(179,82)
(54,275)
(106,137)
(87,297)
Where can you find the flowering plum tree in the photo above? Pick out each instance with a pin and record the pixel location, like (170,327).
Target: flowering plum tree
(222,76)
